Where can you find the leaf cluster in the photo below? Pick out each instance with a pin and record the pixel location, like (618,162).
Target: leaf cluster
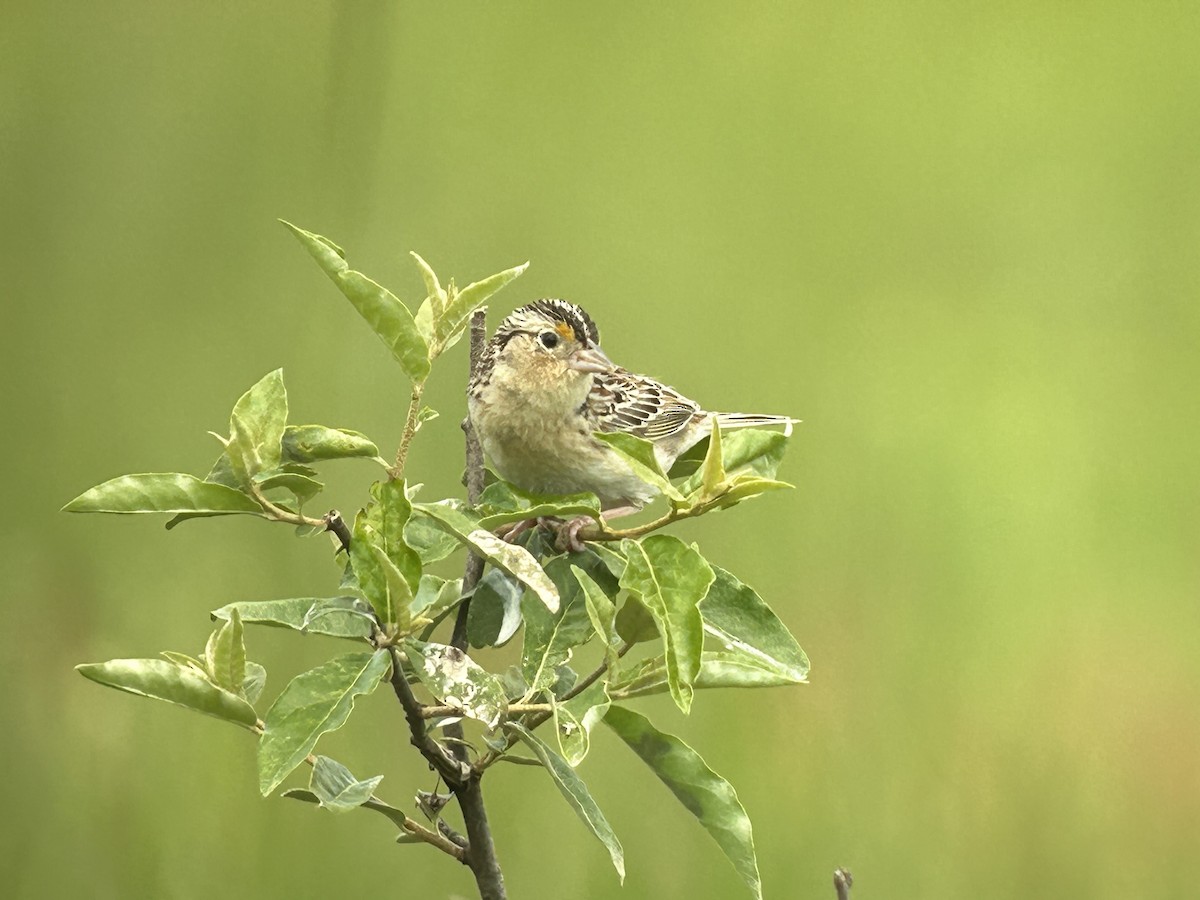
(638,612)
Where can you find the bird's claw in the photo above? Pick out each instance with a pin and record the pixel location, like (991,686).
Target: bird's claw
(568,534)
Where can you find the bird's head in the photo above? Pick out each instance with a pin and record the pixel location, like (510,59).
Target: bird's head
(551,338)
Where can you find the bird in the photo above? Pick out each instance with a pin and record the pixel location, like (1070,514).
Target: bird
(543,387)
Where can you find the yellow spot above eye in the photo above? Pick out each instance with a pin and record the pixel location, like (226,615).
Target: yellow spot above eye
(565,331)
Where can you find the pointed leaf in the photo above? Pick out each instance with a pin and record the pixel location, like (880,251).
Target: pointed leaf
(396,816)
(340,617)
(338,790)
(551,637)
(162,679)
(576,793)
(254,682)
(748,632)
(432,306)
(399,594)
(431,541)
(574,720)
(436,595)
(163,493)
(671,578)
(387,519)
(603,614)
(634,623)
(387,570)
(704,793)
(313,443)
(743,487)
(712,472)
(639,455)
(502,503)
(388,317)
(302,487)
(314,703)
(512,558)
(225,655)
(718,669)
(753,451)
(449,326)
(182,659)
(256,428)
(495,612)
(458,681)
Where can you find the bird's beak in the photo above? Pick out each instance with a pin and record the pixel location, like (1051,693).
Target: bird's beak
(590,359)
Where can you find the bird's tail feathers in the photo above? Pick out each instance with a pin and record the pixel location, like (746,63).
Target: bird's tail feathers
(750,420)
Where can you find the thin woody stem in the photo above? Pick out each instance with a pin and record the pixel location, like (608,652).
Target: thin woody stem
(411,423)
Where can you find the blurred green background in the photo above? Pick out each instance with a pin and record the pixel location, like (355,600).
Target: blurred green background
(958,240)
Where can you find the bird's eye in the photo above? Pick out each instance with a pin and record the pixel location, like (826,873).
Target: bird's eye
(549,340)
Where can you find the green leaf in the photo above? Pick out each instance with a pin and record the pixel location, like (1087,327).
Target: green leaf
(743,487)
(435,299)
(712,471)
(182,685)
(551,637)
(256,428)
(387,570)
(429,539)
(335,607)
(225,655)
(433,287)
(753,451)
(671,578)
(336,789)
(314,703)
(163,493)
(254,682)
(314,443)
(634,623)
(342,616)
(436,595)
(449,326)
(718,669)
(182,659)
(302,487)
(574,720)
(576,793)
(388,317)
(613,561)
(495,612)
(502,503)
(748,634)
(458,681)
(704,793)
(426,414)
(639,455)
(396,816)
(603,614)
(514,559)
(388,517)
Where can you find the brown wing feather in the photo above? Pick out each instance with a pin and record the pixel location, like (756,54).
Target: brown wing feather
(622,401)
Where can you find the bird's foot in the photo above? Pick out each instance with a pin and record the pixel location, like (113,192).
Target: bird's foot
(514,530)
(567,533)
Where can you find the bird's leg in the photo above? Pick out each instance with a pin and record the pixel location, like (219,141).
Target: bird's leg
(514,530)
(568,532)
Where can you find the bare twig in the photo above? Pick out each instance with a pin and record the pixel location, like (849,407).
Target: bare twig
(842,882)
(481,852)
(334,522)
